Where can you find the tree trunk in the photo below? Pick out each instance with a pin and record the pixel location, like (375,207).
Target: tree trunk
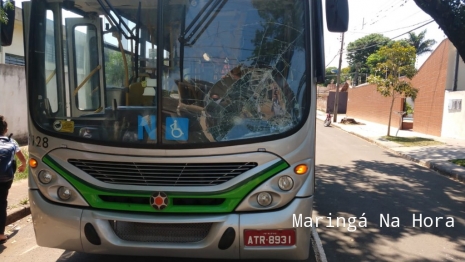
(390,113)
(449,16)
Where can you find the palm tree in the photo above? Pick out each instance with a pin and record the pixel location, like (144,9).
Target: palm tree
(418,41)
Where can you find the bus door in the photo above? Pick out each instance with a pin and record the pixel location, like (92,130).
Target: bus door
(85,63)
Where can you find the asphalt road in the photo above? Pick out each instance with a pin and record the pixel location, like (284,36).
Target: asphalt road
(356,178)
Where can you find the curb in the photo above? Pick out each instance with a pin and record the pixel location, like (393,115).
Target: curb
(320,255)
(443,168)
(449,170)
(17,214)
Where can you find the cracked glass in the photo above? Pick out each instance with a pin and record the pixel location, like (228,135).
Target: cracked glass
(218,71)
(239,70)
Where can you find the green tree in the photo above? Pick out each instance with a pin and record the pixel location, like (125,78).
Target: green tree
(421,45)
(374,59)
(400,61)
(345,74)
(114,68)
(359,50)
(331,75)
(345,71)
(3,15)
(450,16)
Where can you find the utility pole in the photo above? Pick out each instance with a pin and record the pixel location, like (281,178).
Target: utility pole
(336,100)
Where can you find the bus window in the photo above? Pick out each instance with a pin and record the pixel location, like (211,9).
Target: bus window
(51,93)
(87,82)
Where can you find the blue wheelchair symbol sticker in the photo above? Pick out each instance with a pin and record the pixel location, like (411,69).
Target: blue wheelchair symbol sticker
(177,129)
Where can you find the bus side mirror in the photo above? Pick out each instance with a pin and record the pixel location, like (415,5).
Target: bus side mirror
(337,15)
(8,28)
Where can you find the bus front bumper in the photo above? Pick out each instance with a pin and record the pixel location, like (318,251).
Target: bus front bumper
(122,233)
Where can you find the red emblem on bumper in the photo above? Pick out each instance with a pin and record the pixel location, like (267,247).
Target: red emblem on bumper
(159,200)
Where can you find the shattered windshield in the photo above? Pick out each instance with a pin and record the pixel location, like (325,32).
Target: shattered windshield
(217,71)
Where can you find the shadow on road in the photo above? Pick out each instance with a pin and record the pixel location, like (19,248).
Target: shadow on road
(10,238)
(398,190)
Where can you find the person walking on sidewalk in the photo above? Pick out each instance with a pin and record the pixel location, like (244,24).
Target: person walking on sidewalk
(7,162)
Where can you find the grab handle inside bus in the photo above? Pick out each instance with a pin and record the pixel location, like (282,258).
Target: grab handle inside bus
(87,79)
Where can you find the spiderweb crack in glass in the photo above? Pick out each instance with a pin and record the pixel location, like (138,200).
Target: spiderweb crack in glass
(235,72)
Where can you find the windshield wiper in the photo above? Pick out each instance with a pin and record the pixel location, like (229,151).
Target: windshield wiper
(185,32)
(119,17)
(186,36)
(118,24)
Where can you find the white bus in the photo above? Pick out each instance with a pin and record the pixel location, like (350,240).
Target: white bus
(177,128)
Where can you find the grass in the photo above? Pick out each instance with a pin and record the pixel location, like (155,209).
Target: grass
(24,201)
(413,141)
(22,175)
(21,203)
(460,162)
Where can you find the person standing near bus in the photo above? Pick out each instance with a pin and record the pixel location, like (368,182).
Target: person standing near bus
(6,176)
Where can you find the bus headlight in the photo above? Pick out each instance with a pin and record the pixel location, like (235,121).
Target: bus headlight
(64,193)
(280,189)
(53,186)
(264,199)
(45,177)
(285,183)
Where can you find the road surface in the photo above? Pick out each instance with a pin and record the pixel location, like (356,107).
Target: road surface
(358,179)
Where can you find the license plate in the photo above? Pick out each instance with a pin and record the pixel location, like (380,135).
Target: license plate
(284,237)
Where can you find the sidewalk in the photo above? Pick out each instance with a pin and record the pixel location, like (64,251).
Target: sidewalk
(433,157)
(18,201)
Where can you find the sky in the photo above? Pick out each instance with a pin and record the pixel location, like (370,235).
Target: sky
(392,18)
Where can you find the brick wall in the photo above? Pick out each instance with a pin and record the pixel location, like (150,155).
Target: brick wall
(431,80)
(365,103)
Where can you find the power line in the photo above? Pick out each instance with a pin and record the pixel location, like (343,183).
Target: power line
(392,37)
(409,26)
(392,30)
(413,29)
(396,6)
(332,59)
(370,19)
(365,47)
(343,51)
(386,8)
(410,16)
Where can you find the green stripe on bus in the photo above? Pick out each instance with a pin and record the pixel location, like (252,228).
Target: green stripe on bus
(233,196)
